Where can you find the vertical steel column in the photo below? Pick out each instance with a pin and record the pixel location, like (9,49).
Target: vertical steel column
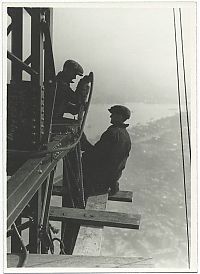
(16,42)
(34,242)
(37,83)
(49,75)
(49,20)
(16,76)
(67,201)
(37,63)
(70,230)
(36,46)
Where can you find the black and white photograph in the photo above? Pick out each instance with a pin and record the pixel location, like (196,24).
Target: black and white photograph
(99,136)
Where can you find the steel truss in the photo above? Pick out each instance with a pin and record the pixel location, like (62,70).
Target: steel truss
(31,184)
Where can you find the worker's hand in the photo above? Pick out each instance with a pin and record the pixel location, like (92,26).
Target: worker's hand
(85,144)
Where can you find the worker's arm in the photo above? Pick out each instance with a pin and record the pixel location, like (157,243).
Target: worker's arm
(85,144)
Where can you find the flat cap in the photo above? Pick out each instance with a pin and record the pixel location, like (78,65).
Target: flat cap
(71,64)
(121,110)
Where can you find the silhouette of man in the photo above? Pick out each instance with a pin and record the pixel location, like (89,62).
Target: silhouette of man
(104,162)
(67,100)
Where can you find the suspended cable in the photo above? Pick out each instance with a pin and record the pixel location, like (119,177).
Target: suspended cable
(185,86)
(182,148)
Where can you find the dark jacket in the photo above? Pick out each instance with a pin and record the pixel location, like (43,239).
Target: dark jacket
(104,162)
(66,99)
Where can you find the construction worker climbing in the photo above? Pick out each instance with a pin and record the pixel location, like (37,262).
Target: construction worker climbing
(104,162)
(67,100)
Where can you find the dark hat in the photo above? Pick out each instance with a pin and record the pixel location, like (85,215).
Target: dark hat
(71,64)
(124,111)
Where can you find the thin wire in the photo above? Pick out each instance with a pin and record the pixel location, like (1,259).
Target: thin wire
(185,86)
(181,133)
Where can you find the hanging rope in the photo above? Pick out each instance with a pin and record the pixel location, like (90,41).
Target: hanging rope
(181,135)
(185,86)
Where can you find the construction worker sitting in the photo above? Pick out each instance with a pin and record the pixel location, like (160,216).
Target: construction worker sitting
(104,162)
(67,100)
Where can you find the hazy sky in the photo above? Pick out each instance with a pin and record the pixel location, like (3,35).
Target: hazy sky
(130,50)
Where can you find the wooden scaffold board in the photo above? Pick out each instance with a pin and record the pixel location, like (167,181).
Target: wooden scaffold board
(89,238)
(94,217)
(67,261)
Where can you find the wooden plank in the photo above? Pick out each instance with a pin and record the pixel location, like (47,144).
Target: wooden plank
(59,191)
(47,260)
(94,217)
(89,238)
(122,196)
